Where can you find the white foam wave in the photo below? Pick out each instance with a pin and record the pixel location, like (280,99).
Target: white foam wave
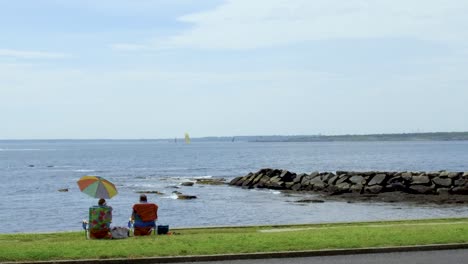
(7,149)
(172,196)
(82,170)
(203,177)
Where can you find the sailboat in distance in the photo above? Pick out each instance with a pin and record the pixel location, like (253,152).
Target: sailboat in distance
(187,138)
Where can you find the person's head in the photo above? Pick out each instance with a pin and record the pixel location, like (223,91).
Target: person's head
(102,202)
(143,198)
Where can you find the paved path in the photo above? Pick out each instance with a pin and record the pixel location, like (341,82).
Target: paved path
(459,256)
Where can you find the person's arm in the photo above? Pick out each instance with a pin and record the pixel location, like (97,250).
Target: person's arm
(132,217)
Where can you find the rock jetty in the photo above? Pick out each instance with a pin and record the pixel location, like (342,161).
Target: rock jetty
(368,182)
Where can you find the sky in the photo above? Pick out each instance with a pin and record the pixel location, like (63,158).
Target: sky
(126,69)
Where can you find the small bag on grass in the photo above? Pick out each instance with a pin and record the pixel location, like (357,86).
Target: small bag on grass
(119,232)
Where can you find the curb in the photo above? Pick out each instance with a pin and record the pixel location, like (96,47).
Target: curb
(266,255)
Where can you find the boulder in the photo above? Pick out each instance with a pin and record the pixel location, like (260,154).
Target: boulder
(407,176)
(452,175)
(373,189)
(396,186)
(420,180)
(298,178)
(378,179)
(332,180)
(443,173)
(314,174)
(287,176)
(356,188)
(186,197)
(460,190)
(305,180)
(211,181)
(326,178)
(63,190)
(443,191)
(357,180)
(296,187)
(344,186)
(319,186)
(460,182)
(235,180)
(342,178)
(421,189)
(187,184)
(446,182)
(433,174)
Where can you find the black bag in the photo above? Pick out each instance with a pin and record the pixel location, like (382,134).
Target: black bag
(163,229)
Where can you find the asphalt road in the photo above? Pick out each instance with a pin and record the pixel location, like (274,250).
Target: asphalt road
(459,256)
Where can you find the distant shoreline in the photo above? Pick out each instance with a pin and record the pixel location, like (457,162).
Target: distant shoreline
(430,136)
(435,136)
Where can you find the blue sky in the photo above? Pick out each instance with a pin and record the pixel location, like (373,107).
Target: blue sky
(156,69)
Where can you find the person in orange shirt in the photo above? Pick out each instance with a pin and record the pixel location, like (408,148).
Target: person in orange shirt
(144,217)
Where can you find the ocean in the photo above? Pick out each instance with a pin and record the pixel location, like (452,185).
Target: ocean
(32,172)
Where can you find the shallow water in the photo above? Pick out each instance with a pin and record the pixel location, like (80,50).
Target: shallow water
(33,171)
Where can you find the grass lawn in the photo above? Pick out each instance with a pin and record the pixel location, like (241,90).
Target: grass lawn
(209,241)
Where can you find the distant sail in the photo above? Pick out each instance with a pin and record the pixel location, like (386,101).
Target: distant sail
(187,138)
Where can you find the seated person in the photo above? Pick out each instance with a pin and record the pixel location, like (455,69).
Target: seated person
(144,216)
(100,218)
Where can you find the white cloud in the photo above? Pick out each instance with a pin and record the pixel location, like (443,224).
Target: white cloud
(245,24)
(28,54)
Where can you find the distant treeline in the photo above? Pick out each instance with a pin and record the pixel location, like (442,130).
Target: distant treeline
(437,136)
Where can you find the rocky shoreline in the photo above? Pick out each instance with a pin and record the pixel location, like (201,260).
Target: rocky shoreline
(384,186)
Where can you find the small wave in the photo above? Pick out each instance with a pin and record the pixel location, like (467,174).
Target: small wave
(20,149)
(172,196)
(203,177)
(82,170)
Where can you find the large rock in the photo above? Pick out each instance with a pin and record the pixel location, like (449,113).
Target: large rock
(446,182)
(460,190)
(420,180)
(296,187)
(357,180)
(407,176)
(454,174)
(186,197)
(314,174)
(235,180)
(460,182)
(373,189)
(443,191)
(342,178)
(332,180)
(344,186)
(306,180)
(422,189)
(356,188)
(298,178)
(378,179)
(287,176)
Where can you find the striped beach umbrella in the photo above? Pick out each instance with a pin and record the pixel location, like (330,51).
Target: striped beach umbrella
(97,187)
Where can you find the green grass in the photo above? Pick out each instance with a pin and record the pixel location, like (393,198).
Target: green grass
(208,241)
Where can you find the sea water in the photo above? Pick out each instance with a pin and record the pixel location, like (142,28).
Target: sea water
(32,172)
